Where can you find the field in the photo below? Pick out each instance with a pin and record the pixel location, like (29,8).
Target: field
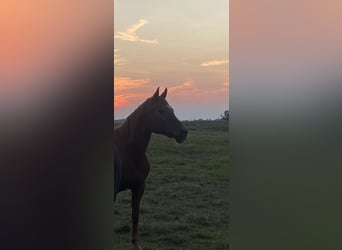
(185,205)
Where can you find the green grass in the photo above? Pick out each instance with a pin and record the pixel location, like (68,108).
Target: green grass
(185,205)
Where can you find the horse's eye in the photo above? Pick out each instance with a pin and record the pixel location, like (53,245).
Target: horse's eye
(161,111)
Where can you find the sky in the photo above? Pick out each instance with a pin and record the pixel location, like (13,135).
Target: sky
(284,56)
(42,44)
(182,45)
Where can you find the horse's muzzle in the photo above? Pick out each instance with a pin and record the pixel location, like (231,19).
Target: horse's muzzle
(182,136)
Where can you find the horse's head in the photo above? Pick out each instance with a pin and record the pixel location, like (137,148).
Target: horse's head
(162,119)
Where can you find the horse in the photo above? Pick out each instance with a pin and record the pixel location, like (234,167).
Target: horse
(131,138)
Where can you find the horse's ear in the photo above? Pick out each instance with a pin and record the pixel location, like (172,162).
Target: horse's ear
(156,94)
(164,93)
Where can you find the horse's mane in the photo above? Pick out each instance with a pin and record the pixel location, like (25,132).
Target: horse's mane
(132,120)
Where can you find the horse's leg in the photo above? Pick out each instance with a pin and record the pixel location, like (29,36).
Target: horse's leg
(137,194)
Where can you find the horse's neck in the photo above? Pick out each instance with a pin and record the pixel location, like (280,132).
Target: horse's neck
(138,137)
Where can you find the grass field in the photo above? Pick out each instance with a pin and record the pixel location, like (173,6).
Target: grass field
(185,205)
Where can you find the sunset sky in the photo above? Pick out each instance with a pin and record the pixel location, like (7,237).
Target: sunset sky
(182,45)
(42,44)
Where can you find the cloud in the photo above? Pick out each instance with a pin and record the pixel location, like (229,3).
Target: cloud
(214,63)
(118,60)
(130,92)
(183,87)
(189,91)
(131,36)
(125,84)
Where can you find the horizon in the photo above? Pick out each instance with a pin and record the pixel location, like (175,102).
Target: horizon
(184,49)
(132,109)
(186,120)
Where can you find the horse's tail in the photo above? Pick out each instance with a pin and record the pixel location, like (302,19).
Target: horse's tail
(117,171)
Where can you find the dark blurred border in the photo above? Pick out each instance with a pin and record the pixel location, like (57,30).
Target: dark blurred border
(56,151)
(285,125)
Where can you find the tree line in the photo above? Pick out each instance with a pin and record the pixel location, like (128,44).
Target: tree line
(225,115)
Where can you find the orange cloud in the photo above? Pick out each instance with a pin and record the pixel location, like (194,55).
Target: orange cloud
(214,63)
(186,86)
(125,84)
(130,91)
(188,91)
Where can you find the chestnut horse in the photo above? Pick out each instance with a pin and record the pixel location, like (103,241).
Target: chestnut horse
(131,165)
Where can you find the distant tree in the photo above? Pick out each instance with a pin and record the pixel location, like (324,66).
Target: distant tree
(225,115)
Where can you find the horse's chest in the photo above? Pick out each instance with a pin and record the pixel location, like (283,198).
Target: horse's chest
(136,169)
